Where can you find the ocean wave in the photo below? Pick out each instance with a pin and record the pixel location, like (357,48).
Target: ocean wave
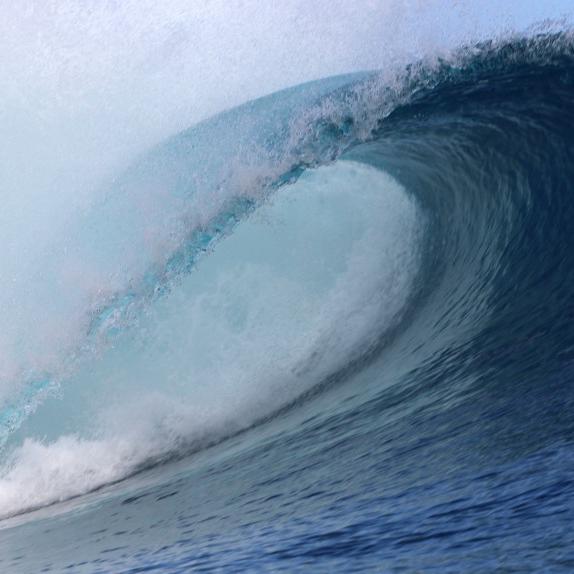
(412,220)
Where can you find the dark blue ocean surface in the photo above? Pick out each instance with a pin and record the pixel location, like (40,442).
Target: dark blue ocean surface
(428,428)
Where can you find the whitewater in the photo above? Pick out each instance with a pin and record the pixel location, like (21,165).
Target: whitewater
(286,288)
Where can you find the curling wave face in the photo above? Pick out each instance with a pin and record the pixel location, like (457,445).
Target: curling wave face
(391,257)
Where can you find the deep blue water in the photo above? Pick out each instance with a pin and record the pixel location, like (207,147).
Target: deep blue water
(428,427)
